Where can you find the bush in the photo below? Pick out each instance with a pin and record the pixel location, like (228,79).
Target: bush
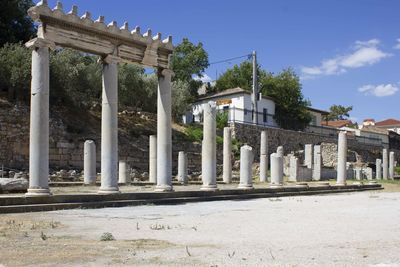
(107,237)
(236,148)
(194,133)
(222,120)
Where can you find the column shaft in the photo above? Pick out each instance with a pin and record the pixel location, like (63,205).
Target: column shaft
(385,164)
(378,170)
(109,130)
(246,171)
(209,148)
(164,139)
(153,159)
(342,159)
(276,170)
(89,162)
(264,156)
(227,151)
(391,165)
(39,124)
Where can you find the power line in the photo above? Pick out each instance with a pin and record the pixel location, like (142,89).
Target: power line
(230,59)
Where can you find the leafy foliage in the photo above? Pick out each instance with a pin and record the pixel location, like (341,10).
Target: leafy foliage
(189,60)
(338,112)
(15,25)
(291,107)
(222,120)
(194,133)
(15,71)
(238,76)
(181,98)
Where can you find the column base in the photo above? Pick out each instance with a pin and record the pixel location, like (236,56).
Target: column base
(276,185)
(38,192)
(163,188)
(323,184)
(210,187)
(340,184)
(108,191)
(302,185)
(246,186)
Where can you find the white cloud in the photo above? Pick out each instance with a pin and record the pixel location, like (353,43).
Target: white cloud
(397,46)
(205,78)
(363,53)
(379,90)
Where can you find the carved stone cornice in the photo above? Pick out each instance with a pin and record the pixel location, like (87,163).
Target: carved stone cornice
(84,34)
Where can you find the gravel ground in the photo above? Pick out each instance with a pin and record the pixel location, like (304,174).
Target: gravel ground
(357,229)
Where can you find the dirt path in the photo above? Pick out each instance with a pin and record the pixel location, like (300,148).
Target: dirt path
(359,229)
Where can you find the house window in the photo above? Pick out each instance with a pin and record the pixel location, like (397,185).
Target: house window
(225,108)
(313,120)
(265,115)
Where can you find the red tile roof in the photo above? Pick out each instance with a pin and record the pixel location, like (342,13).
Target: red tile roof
(388,122)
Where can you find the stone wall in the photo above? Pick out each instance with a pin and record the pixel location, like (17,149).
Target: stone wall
(66,145)
(66,148)
(293,141)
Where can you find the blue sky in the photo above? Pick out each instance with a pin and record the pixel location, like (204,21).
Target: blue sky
(346,52)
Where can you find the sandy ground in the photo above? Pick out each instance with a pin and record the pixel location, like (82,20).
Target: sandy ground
(358,229)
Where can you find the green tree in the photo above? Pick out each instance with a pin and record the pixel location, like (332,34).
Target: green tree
(189,60)
(15,71)
(338,112)
(181,98)
(75,78)
(15,25)
(291,108)
(239,76)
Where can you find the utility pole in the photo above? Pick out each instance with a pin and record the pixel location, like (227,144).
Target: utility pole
(254,96)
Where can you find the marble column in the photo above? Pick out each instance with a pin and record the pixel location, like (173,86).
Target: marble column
(182,167)
(317,164)
(39,119)
(293,169)
(209,145)
(264,156)
(109,127)
(378,170)
(391,165)
(164,132)
(246,170)
(276,170)
(89,162)
(227,153)
(124,173)
(153,159)
(385,164)
(342,159)
(308,155)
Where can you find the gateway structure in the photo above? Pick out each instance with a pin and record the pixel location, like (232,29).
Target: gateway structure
(113,45)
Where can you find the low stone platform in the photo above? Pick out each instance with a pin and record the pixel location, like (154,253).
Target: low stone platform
(20,203)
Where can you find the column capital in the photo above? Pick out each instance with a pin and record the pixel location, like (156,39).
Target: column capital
(166,73)
(40,42)
(110,59)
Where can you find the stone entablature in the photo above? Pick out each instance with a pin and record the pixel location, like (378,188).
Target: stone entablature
(84,34)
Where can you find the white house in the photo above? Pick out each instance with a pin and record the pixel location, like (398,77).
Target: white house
(237,102)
